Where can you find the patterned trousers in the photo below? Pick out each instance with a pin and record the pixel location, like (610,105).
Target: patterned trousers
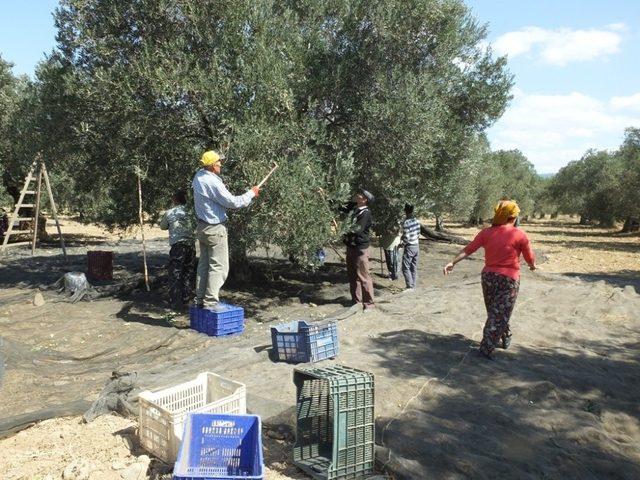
(500,294)
(182,273)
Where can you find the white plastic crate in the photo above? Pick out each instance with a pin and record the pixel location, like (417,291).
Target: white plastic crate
(162,413)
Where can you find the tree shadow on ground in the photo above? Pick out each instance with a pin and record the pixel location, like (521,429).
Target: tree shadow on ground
(276,280)
(127,314)
(619,279)
(584,233)
(75,240)
(603,246)
(533,413)
(575,225)
(43,269)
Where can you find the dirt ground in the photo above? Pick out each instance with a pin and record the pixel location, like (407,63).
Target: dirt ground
(560,403)
(574,249)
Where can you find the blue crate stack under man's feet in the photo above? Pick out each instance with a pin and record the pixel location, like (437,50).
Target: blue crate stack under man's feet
(223,319)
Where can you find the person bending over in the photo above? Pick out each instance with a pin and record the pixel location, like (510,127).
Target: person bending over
(182,256)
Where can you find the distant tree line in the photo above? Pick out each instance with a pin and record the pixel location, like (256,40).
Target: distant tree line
(603,187)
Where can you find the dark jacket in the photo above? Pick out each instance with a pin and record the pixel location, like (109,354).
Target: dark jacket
(4,224)
(359,236)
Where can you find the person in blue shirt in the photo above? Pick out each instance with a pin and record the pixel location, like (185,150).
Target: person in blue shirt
(212,199)
(182,256)
(411,242)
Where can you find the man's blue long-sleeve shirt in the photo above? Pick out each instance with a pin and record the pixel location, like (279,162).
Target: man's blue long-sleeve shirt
(212,199)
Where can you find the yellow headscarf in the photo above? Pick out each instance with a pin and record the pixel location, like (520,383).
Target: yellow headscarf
(505,210)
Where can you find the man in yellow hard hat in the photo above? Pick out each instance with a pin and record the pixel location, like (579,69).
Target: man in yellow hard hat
(212,199)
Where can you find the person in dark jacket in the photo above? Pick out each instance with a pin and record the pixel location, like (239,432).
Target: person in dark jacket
(4,223)
(357,240)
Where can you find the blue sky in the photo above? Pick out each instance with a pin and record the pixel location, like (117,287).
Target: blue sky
(26,32)
(576,66)
(577,75)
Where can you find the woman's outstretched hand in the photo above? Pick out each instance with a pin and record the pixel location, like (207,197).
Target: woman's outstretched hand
(448,268)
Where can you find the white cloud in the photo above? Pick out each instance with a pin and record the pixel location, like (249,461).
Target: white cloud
(561,46)
(552,130)
(517,43)
(631,102)
(617,27)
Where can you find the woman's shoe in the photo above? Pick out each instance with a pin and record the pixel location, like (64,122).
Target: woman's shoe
(488,356)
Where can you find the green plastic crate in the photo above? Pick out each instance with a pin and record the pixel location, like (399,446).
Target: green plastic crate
(335,429)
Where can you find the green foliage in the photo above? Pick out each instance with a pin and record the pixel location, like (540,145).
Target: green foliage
(383,94)
(629,163)
(12,90)
(488,187)
(544,202)
(406,88)
(602,186)
(520,180)
(505,174)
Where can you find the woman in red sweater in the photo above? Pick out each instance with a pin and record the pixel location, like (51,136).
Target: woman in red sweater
(503,243)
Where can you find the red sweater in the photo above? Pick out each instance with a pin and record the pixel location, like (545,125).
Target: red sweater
(502,248)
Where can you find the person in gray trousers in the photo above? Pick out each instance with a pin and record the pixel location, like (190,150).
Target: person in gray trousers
(411,242)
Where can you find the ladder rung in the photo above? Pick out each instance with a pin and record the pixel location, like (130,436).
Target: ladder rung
(18,232)
(17,244)
(23,219)
(30,192)
(27,205)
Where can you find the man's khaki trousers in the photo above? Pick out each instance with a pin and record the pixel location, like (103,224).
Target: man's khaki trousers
(213,264)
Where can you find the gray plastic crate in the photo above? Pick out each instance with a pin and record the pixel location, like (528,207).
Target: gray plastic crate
(335,429)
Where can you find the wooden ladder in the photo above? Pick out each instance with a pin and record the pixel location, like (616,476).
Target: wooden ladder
(42,174)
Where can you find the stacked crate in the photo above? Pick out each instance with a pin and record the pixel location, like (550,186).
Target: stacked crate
(223,319)
(162,413)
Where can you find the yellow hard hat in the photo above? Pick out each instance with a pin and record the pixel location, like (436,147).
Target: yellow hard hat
(210,157)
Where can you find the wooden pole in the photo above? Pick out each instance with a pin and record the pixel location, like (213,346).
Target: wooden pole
(54,210)
(37,213)
(275,166)
(144,245)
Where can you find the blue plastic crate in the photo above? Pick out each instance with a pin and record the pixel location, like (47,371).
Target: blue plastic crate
(288,343)
(220,447)
(194,318)
(323,340)
(225,319)
(221,332)
(300,341)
